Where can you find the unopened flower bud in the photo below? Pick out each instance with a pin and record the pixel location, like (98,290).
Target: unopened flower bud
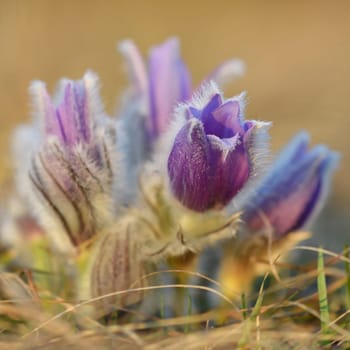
(211,158)
(117,267)
(72,169)
(294,189)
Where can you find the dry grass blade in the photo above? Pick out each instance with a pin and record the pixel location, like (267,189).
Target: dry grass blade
(73,308)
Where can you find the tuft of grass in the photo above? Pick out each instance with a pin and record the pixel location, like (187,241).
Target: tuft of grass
(254,318)
(293,313)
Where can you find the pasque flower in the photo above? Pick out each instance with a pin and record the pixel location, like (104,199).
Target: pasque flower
(294,189)
(277,211)
(214,150)
(71,170)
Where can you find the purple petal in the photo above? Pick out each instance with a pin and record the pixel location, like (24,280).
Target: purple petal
(230,169)
(68,114)
(214,125)
(188,166)
(220,119)
(136,66)
(214,102)
(284,210)
(169,84)
(184,81)
(73,114)
(46,112)
(83,112)
(195,112)
(227,115)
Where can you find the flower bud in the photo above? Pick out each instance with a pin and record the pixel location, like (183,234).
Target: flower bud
(211,157)
(294,189)
(117,267)
(72,169)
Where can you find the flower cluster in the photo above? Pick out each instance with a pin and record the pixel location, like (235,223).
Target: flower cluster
(179,169)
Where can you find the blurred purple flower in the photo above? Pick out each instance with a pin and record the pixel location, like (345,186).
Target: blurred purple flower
(70,121)
(293,191)
(73,166)
(211,158)
(167,81)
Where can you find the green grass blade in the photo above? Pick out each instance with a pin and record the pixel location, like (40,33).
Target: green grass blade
(322,294)
(244,306)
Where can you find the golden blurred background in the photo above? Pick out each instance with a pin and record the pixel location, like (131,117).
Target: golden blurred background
(297,55)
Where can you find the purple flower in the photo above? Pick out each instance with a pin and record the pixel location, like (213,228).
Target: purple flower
(167,81)
(212,154)
(293,191)
(72,169)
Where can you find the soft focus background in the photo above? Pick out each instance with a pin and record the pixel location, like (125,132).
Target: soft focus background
(297,54)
